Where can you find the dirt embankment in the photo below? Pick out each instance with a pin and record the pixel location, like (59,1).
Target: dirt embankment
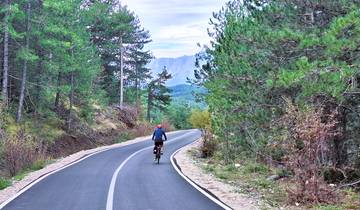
(111,125)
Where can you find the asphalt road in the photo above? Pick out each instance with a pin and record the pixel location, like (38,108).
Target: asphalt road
(138,183)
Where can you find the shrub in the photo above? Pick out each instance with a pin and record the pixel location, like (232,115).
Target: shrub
(253,167)
(4,183)
(19,153)
(208,146)
(307,142)
(143,129)
(128,115)
(125,137)
(200,119)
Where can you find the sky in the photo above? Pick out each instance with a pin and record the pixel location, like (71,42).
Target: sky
(176,26)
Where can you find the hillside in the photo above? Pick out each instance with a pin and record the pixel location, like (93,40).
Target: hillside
(185,94)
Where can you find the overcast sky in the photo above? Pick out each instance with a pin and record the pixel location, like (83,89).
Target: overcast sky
(176,26)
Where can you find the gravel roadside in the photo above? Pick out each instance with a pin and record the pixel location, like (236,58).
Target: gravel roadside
(225,192)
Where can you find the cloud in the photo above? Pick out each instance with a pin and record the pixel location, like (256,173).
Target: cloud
(176,26)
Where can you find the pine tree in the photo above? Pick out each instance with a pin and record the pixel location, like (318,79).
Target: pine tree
(158,94)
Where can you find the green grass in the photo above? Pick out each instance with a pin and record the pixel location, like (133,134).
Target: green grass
(124,137)
(19,176)
(328,207)
(37,165)
(4,183)
(253,167)
(249,178)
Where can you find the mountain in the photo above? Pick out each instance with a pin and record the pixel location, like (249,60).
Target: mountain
(180,68)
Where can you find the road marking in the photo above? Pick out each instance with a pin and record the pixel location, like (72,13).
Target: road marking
(110,197)
(46,175)
(2,205)
(195,185)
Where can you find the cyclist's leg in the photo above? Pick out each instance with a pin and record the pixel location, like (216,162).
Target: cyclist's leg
(162,147)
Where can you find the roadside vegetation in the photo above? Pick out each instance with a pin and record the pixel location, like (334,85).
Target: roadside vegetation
(61,89)
(283,94)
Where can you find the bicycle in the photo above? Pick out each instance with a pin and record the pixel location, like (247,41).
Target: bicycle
(158,154)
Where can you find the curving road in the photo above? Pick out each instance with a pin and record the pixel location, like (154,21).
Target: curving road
(123,178)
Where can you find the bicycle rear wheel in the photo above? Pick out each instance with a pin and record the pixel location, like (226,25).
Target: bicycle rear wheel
(157,157)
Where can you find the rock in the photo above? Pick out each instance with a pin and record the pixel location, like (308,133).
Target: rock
(237,165)
(273,177)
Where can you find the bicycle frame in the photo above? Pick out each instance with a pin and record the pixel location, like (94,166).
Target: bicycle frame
(158,153)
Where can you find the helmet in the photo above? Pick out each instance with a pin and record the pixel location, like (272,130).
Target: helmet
(159,126)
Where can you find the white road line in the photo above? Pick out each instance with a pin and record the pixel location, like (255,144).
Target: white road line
(195,185)
(110,197)
(46,175)
(2,205)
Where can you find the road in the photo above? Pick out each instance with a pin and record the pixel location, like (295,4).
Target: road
(121,178)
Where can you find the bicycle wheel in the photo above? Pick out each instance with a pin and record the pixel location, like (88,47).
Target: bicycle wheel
(158,157)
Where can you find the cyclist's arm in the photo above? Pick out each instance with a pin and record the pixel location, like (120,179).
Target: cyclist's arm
(153,137)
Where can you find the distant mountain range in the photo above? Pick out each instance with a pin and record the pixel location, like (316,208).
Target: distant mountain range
(180,68)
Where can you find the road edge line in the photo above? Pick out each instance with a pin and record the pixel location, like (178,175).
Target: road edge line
(195,185)
(27,187)
(110,195)
(43,176)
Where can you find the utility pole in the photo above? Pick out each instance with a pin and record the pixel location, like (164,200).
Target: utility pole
(4,93)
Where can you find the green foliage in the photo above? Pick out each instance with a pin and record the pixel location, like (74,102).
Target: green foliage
(200,119)
(4,183)
(178,115)
(125,136)
(265,51)
(254,167)
(158,95)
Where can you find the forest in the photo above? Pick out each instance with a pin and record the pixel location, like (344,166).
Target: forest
(73,76)
(283,83)
(279,87)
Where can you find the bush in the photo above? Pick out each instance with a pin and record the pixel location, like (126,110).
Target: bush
(128,115)
(19,153)
(208,146)
(143,129)
(38,164)
(125,137)
(200,119)
(308,140)
(253,167)
(4,183)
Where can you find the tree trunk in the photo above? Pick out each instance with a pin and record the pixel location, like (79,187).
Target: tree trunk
(121,74)
(39,71)
(4,92)
(57,97)
(23,82)
(149,104)
(71,99)
(137,85)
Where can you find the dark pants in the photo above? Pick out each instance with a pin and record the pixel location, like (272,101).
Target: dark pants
(158,143)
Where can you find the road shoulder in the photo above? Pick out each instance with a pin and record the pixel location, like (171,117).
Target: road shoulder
(225,192)
(18,186)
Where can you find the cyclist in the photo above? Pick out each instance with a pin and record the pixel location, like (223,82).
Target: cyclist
(158,138)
